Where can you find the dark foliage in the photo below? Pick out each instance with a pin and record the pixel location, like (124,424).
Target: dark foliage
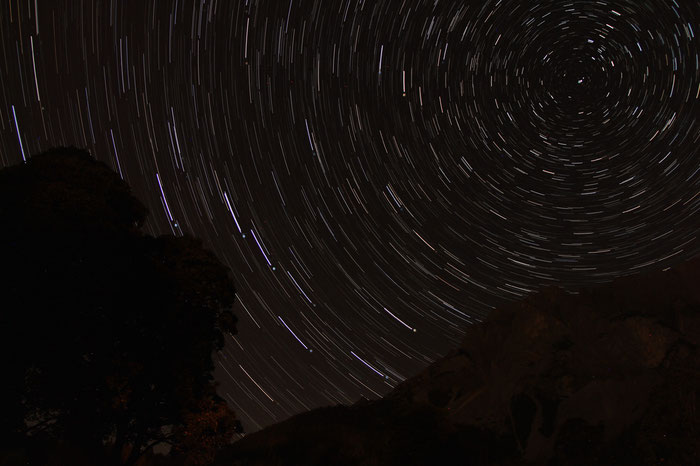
(107,333)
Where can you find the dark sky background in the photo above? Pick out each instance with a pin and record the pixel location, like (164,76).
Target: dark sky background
(377,174)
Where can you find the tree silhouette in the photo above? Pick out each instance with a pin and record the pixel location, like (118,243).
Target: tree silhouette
(205,432)
(106,334)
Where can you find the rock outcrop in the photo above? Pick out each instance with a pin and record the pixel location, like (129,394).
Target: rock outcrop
(608,375)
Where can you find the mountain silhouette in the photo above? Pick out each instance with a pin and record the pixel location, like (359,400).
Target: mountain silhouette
(605,375)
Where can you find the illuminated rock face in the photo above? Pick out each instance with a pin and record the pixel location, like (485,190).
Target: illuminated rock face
(601,358)
(604,376)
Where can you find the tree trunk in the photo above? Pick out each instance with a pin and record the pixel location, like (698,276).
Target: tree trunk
(118,448)
(134,454)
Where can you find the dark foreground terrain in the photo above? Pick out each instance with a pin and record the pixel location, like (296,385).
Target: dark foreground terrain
(607,376)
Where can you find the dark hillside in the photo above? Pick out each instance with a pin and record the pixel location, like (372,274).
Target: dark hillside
(607,376)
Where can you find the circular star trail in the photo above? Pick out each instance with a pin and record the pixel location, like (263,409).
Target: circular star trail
(378,175)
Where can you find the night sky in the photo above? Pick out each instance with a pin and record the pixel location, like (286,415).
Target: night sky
(377,174)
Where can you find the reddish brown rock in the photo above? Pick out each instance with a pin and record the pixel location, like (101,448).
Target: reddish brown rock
(608,375)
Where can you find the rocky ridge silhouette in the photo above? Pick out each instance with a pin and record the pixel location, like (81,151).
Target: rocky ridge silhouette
(606,375)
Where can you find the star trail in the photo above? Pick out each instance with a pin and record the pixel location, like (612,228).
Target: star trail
(377,174)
